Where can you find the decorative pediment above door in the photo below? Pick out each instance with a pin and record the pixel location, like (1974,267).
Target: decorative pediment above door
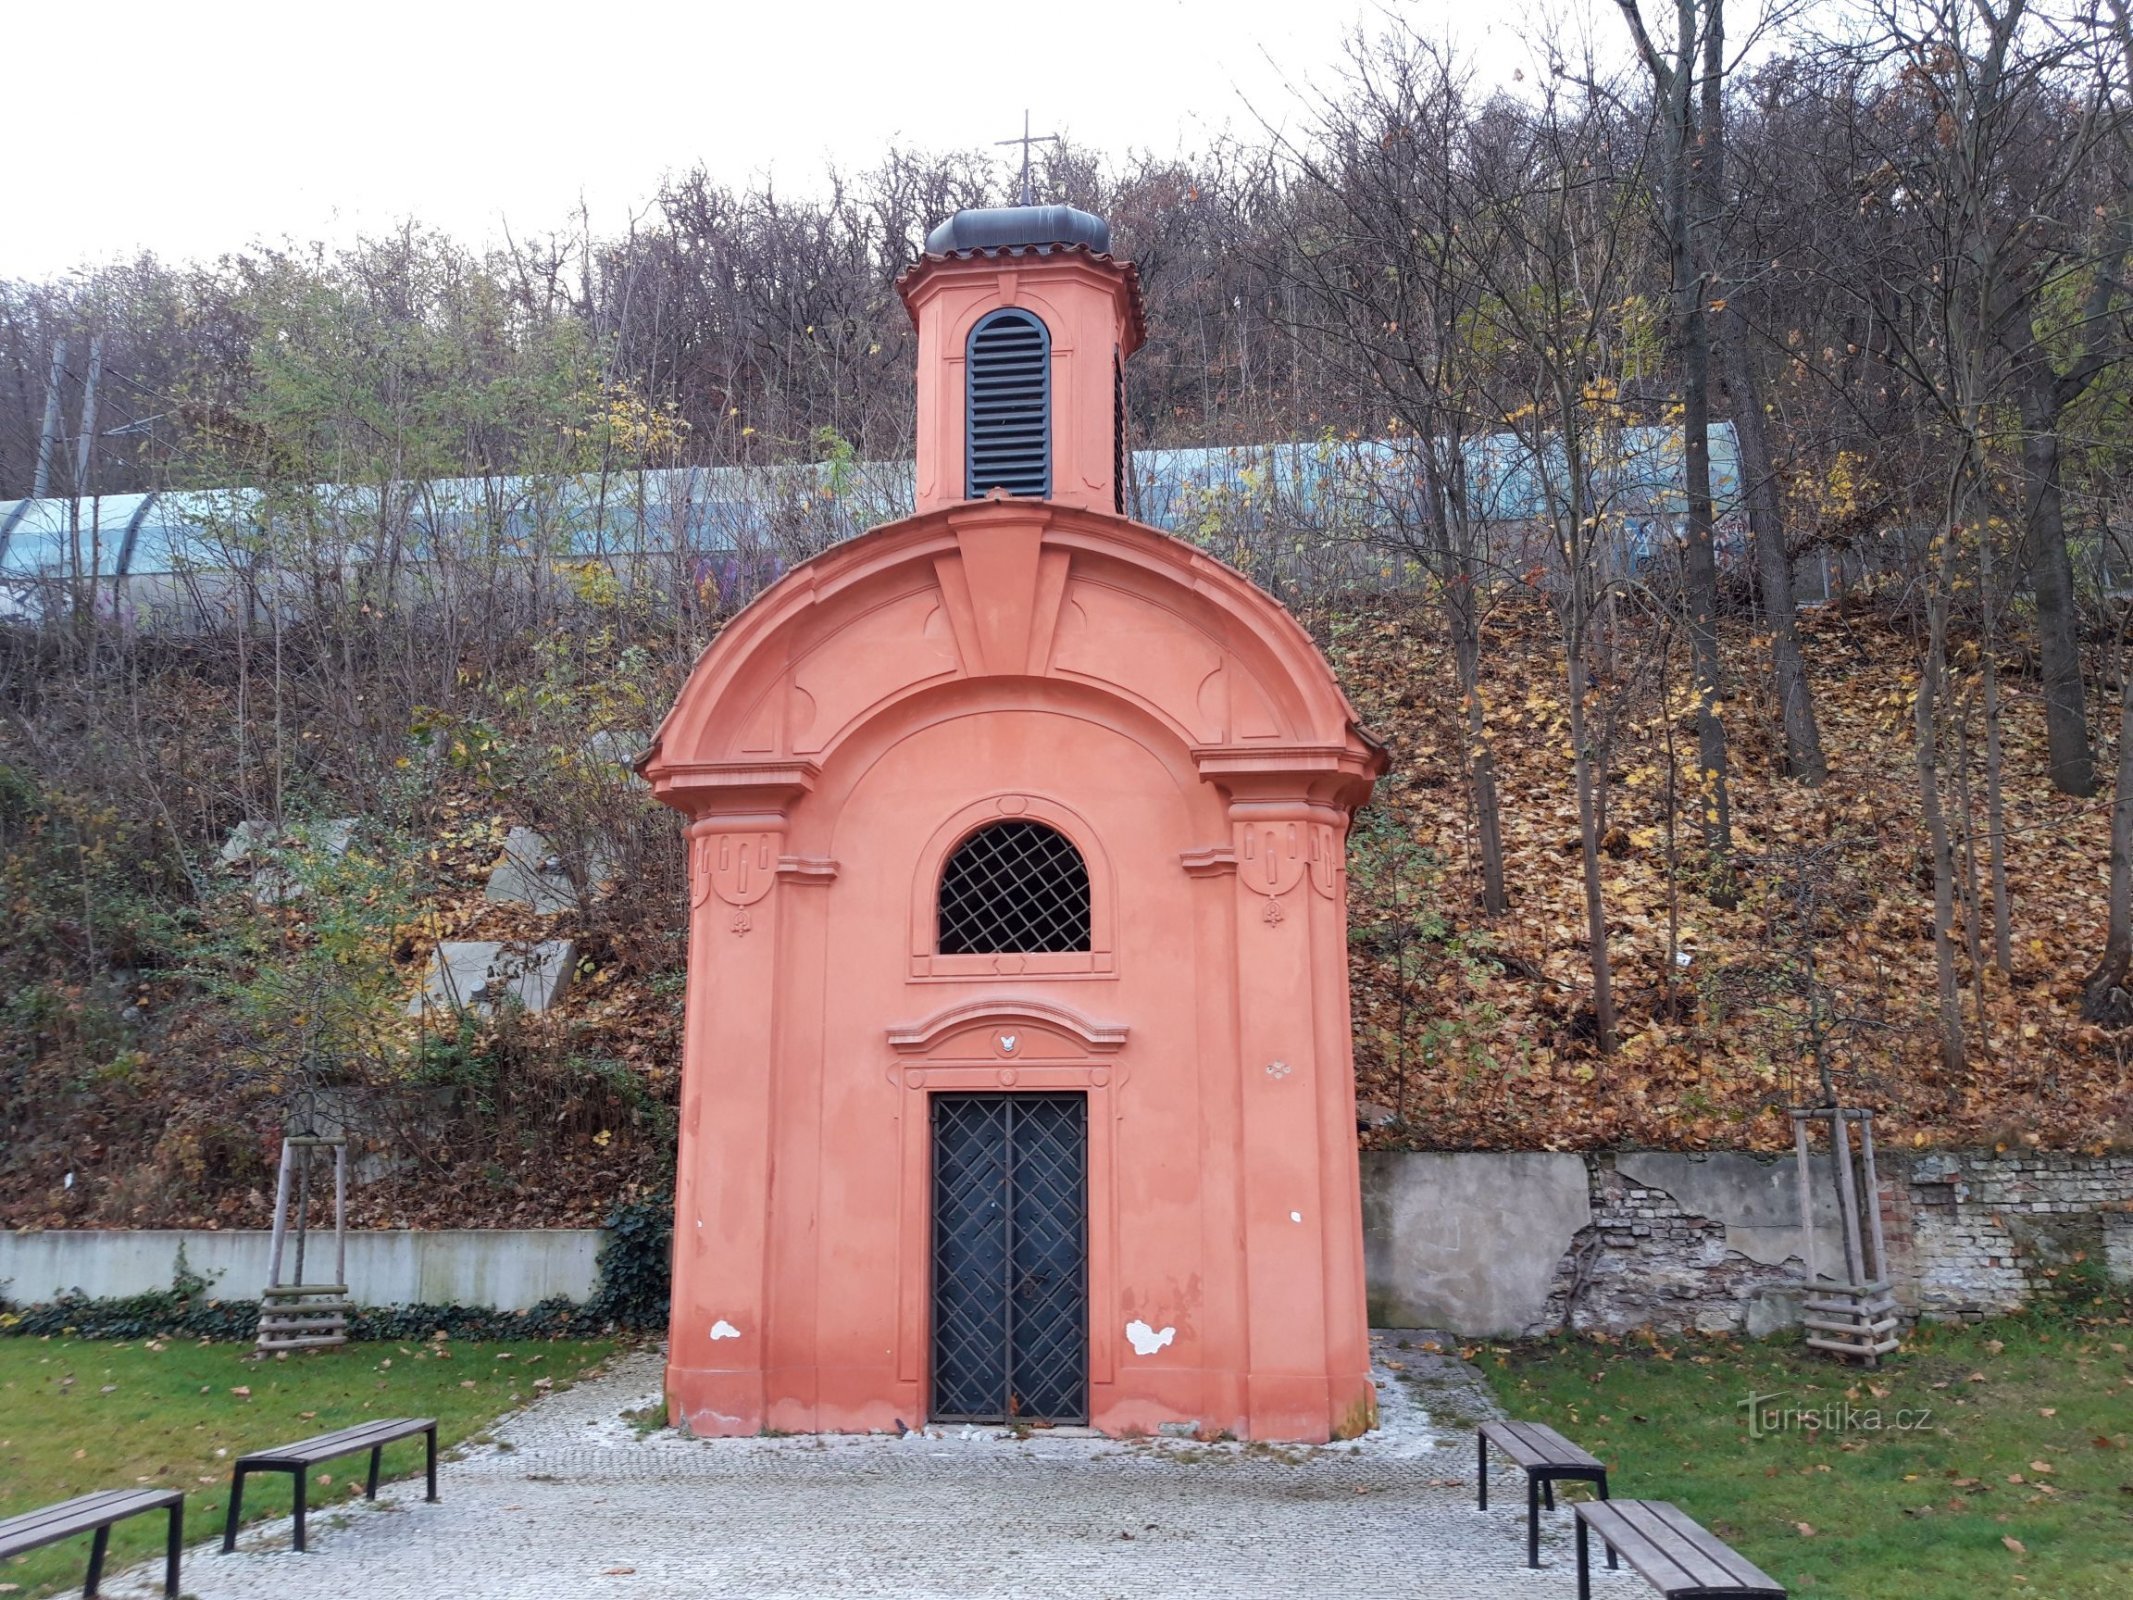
(1007,1029)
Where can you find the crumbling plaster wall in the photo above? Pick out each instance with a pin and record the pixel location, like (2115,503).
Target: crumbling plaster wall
(1712,1242)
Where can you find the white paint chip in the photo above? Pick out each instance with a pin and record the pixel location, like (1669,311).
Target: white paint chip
(1296,1216)
(722,1329)
(1146,1340)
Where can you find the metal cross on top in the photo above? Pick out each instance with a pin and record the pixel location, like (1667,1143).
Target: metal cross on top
(1029,196)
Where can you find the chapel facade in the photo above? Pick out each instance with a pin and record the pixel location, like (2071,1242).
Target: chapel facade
(1018,1082)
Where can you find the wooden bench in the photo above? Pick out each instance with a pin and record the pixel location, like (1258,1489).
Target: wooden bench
(1671,1551)
(1547,1458)
(297,1459)
(33,1530)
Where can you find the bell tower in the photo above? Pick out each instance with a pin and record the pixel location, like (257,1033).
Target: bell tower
(1024,323)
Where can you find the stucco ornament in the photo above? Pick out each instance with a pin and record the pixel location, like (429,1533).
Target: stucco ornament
(740,868)
(1274,855)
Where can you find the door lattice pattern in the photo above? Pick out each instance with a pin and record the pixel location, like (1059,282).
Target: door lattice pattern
(1015,887)
(1010,1259)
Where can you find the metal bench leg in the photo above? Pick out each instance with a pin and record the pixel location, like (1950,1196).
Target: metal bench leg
(1481,1475)
(97,1546)
(430,1439)
(173,1548)
(1533,1520)
(1585,1560)
(370,1490)
(1612,1564)
(303,1488)
(229,1527)
(1547,1494)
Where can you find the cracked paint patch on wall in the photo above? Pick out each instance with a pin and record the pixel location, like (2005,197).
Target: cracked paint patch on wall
(722,1329)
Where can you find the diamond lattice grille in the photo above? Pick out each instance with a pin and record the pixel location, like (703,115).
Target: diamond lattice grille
(1010,1260)
(1015,887)
(970,1242)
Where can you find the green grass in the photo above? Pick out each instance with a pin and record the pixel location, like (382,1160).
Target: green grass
(80,1415)
(2019,1481)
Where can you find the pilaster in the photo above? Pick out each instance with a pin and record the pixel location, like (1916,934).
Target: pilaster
(1307,1355)
(719,1330)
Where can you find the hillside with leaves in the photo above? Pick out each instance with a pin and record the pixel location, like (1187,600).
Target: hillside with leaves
(161,1024)
(1663,849)
(1477,1032)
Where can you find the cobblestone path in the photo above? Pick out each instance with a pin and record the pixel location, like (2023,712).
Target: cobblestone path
(571,1501)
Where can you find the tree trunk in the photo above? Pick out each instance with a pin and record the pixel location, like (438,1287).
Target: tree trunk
(1700,563)
(1465,621)
(2051,575)
(1995,767)
(1603,994)
(1936,819)
(2104,998)
(1972,887)
(1766,525)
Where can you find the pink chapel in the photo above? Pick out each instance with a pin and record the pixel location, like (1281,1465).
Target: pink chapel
(1018,1082)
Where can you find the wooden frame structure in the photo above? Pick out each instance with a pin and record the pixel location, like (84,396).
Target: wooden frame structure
(1855,1316)
(294,1314)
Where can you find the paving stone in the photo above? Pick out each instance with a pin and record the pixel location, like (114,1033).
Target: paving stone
(571,1500)
(530,873)
(479,974)
(252,847)
(619,749)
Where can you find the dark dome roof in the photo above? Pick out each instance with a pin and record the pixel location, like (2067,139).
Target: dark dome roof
(1010,227)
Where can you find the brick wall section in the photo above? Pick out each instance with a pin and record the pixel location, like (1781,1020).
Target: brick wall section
(1970,1235)
(1984,1234)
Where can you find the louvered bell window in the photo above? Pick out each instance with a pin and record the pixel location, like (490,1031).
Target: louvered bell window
(1010,379)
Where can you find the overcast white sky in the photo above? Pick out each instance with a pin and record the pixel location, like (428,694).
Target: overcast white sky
(196,128)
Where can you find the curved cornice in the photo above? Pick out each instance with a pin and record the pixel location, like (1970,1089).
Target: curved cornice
(974,543)
(1098,1038)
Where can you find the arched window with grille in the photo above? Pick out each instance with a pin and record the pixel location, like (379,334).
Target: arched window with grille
(1014,887)
(1009,378)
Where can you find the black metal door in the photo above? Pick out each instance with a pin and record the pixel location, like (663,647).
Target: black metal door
(1010,1258)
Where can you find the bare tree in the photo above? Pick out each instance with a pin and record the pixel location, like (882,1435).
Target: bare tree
(1989,104)
(1381,271)
(1555,205)
(1743,387)
(1682,194)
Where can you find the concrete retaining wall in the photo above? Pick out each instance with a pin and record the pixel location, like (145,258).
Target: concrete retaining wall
(1486,1246)
(509,1269)
(1468,1243)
